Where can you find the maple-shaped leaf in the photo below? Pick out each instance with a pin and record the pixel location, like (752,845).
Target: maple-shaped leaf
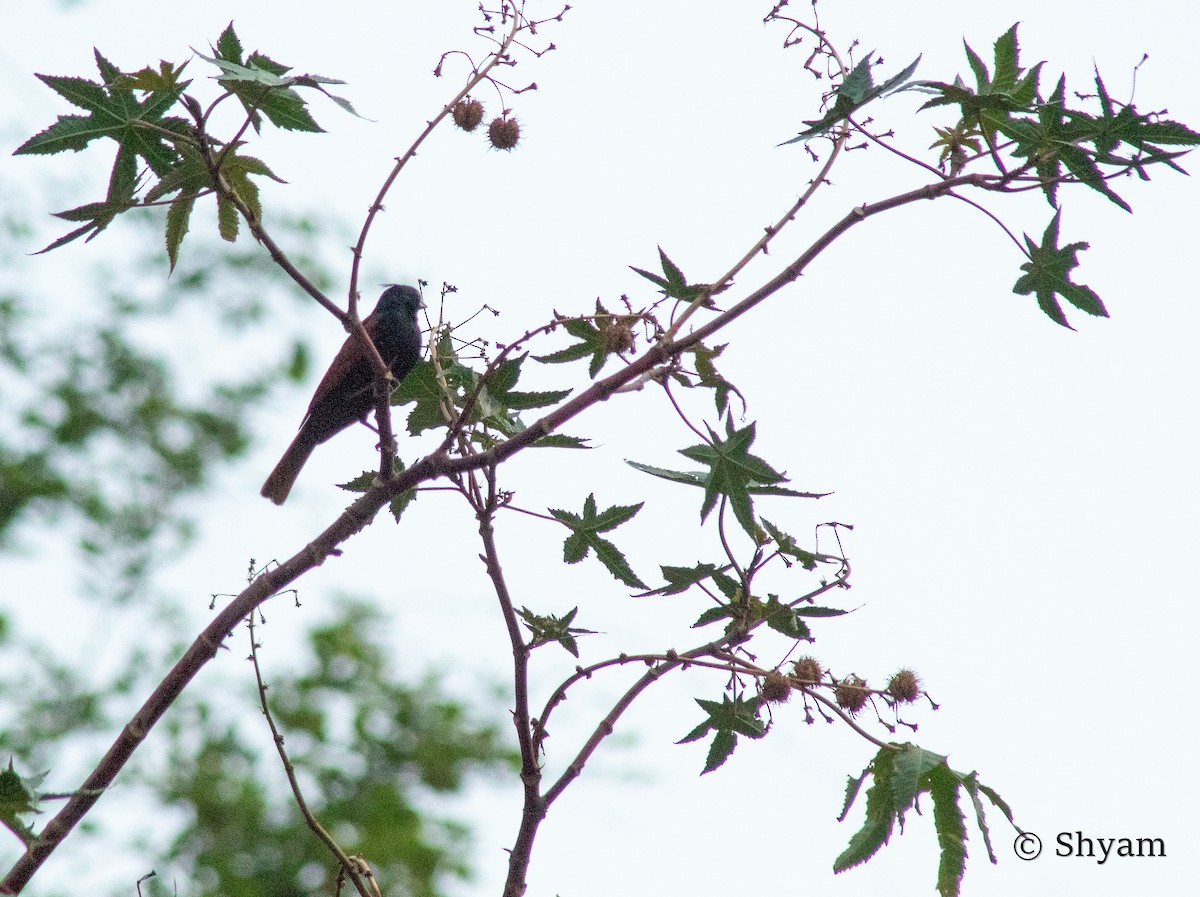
(501,382)
(1048,276)
(191,175)
(731,717)
(599,337)
(113,112)
(585,537)
(140,127)
(856,90)
(366,480)
(421,387)
(783,618)
(548,628)
(900,774)
(674,284)
(264,86)
(732,472)
(954,143)
(998,94)
(496,401)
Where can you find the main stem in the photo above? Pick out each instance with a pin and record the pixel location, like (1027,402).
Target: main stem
(534,810)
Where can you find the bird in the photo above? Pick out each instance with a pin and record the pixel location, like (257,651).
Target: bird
(346,394)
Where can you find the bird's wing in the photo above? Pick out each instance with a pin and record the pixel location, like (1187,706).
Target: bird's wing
(352,354)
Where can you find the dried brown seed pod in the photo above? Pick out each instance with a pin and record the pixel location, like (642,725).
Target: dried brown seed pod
(504,133)
(467,114)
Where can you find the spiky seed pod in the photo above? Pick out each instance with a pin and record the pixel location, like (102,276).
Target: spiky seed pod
(504,133)
(617,336)
(851,694)
(808,669)
(905,686)
(775,688)
(467,114)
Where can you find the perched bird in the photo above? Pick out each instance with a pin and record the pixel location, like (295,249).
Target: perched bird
(346,393)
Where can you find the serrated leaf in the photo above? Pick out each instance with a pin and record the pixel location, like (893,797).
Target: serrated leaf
(680,579)
(853,786)
(783,619)
(856,90)
(720,750)
(818,611)
(1006,52)
(950,824)
(548,628)
(1048,275)
(228,46)
(909,767)
(732,471)
(713,615)
(880,818)
(585,537)
(970,784)
(227,219)
(561,440)
(179,214)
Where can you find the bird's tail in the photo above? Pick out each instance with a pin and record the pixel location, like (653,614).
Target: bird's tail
(283,477)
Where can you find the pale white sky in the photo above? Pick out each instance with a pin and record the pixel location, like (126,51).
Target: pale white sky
(1024,498)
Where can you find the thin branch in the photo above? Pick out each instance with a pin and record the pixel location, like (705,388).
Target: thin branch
(402,160)
(345,864)
(531,774)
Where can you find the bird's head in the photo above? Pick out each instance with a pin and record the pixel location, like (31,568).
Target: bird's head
(402,299)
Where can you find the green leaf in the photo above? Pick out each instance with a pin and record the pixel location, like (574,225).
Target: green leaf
(783,618)
(114,113)
(421,386)
(910,766)
(138,126)
(548,628)
(880,815)
(786,545)
(585,537)
(856,90)
(713,615)
(732,471)
(673,283)
(600,336)
(818,611)
(720,750)
(853,786)
(1006,53)
(560,440)
(1048,275)
(997,94)
(680,579)
(263,86)
(728,719)
(179,213)
(901,773)
(227,219)
(18,798)
(711,379)
(970,784)
(699,478)
(950,824)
